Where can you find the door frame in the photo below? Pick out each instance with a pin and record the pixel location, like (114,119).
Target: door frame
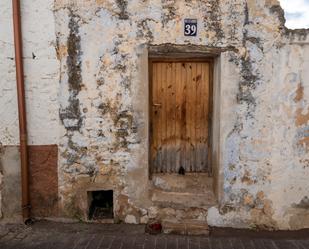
(180,57)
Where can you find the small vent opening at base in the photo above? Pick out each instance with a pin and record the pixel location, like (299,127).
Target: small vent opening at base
(100,205)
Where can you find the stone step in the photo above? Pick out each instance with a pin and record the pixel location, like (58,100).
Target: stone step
(168,213)
(185,227)
(182,200)
(190,183)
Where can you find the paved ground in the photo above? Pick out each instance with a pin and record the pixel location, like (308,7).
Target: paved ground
(48,235)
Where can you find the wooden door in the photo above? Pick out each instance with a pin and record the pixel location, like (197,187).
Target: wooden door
(180,115)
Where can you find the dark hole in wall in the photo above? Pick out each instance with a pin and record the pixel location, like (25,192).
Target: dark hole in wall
(100,205)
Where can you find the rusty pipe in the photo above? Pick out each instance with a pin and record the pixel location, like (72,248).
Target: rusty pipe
(26,207)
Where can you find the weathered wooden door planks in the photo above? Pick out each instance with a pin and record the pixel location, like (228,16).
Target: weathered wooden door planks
(180,111)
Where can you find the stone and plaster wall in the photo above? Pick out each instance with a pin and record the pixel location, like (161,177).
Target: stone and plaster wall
(265,159)
(87,92)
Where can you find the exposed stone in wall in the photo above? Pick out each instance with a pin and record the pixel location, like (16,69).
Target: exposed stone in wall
(122,5)
(71,115)
(108,143)
(114,73)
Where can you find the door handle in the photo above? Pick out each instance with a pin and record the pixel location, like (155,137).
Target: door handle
(156,104)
